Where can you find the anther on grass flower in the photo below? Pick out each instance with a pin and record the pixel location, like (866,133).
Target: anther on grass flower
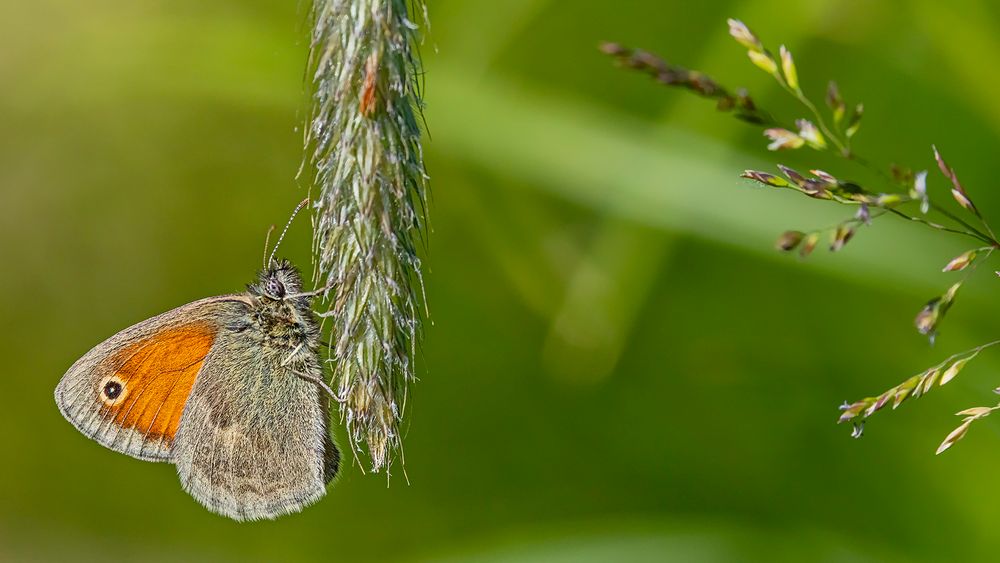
(863,214)
(851,410)
(367,166)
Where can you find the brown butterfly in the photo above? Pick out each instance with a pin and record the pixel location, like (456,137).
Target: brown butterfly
(229,389)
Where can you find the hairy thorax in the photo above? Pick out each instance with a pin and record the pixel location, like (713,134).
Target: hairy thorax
(280,325)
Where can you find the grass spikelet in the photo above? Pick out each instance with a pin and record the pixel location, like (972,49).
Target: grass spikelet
(368,188)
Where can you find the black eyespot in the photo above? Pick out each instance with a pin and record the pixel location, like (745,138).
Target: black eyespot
(275,287)
(112,389)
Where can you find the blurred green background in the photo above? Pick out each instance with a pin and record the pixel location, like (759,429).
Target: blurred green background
(618,366)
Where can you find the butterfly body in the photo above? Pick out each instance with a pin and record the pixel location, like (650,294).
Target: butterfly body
(225,389)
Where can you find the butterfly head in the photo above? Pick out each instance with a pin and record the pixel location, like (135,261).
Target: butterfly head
(281,313)
(278,280)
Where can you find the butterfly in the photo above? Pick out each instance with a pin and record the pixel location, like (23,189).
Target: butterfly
(229,389)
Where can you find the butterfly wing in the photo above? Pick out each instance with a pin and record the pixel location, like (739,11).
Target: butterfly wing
(128,393)
(253,442)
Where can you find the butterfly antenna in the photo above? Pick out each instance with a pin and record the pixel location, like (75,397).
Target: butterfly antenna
(267,240)
(285,230)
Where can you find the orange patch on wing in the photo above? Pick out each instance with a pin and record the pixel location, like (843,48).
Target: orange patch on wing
(157,375)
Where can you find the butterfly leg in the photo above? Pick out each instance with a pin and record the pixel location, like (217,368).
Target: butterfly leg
(322,384)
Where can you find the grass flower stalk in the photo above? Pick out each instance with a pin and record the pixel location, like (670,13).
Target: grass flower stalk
(368,188)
